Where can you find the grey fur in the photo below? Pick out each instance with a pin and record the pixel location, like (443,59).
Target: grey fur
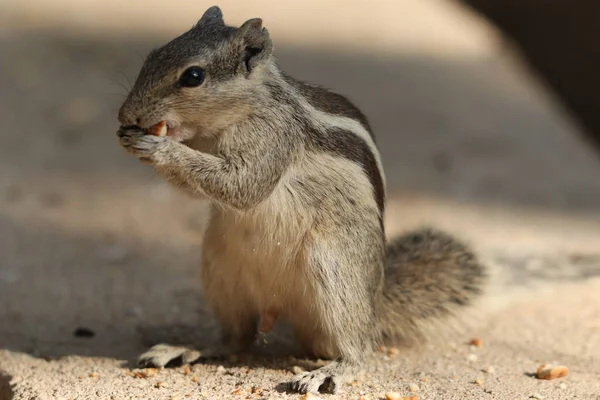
(298,197)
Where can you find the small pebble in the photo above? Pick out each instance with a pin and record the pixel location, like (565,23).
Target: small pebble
(476,342)
(479,382)
(489,370)
(472,357)
(297,370)
(393,396)
(256,390)
(413,387)
(536,396)
(159,385)
(83,332)
(221,369)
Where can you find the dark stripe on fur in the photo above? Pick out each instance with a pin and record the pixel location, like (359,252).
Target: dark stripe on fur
(339,142)
(348,145)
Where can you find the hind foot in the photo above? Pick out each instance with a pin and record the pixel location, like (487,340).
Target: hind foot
(327,379)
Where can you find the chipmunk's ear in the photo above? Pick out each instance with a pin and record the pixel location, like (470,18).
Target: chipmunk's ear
(213,15)
(255,42)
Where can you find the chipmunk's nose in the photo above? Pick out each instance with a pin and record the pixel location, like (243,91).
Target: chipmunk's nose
(127,116)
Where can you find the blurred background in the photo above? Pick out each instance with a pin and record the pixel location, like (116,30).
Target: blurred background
(485,112)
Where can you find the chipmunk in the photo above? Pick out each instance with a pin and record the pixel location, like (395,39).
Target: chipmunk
(298,195)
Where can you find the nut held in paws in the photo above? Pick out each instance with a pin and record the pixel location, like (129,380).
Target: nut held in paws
(159,129)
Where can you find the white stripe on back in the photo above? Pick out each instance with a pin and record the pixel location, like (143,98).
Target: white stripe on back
(324,120)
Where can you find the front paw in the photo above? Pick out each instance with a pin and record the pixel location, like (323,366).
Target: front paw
(148,148)
(163,354)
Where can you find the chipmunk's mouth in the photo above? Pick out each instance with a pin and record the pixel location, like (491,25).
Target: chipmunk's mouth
(163,128)
(131,128)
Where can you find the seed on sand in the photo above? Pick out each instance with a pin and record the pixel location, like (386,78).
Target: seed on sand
(489,370)
(308,396)
(551,371)
(144,373)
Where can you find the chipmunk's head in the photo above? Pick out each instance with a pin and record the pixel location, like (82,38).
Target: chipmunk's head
(203,80)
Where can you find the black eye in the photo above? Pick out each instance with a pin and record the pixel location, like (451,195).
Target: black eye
(192,77)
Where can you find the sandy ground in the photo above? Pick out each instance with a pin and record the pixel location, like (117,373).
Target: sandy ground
(90,238)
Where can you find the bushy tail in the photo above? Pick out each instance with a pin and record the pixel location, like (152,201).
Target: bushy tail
(428,276)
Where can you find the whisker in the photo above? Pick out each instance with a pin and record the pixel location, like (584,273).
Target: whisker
(115,94)
(122,86)
(126,79)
